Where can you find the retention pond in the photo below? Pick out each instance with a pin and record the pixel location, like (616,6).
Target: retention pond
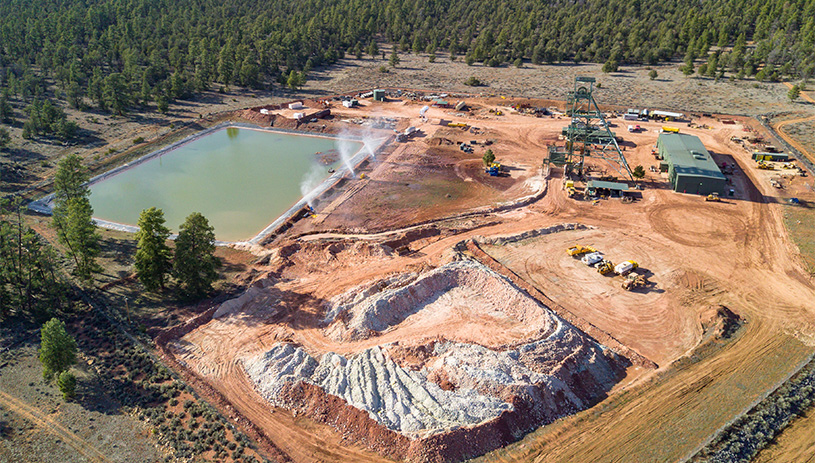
(240,179)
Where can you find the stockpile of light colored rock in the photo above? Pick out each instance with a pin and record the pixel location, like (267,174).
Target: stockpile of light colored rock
(400,399)
(377,307)
(555,369)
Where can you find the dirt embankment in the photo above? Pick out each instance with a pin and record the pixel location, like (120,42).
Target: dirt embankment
(465,394)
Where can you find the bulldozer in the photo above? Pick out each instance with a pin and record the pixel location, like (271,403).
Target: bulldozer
(578,250)
(605,267)
(634,281)
(713,197)
(765,166)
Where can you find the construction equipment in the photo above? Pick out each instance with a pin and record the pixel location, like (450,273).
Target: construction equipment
(634,281)
(593,258)
(713,197)
(624,268)
(578,250)
(605,267)
(570,191)
(764,166)
(493,169)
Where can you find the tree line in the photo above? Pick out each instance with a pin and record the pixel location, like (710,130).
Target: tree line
(30,282)
(118,53)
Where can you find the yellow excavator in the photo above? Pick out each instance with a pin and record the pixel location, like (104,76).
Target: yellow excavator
(713,197)
(577,250)
(765,166)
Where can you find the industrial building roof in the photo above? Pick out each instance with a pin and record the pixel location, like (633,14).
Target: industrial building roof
(688,155)
(592,184)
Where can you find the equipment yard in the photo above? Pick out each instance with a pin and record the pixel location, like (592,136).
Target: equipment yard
(427,309)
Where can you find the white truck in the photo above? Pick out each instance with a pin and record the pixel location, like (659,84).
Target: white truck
(624,268)
(593,258)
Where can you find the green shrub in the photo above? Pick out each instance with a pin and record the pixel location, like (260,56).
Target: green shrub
(138,140)
(67,385)
(473,82)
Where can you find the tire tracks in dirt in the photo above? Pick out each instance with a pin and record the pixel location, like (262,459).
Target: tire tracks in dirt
(52,427)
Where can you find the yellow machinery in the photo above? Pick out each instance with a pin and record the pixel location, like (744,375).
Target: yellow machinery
(625,268)
(605,267)
(764,166)
(713,197)
(634,281)
(666,128)
(456,124)
(577,250)
(570,190)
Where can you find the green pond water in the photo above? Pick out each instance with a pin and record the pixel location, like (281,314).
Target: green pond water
(239,179)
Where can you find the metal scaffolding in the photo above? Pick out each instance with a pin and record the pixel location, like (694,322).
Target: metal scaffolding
(588,135)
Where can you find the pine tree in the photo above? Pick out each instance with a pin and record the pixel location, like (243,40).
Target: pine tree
(372,49)
(69,181)
(116,93)
(77,232)
(488,158)
(66,381)
(195,266)
(73,216)
(6,113)
(153,256)
(226,64)
(57,349)
(794,93)
(146,91)
(5,138)
(394,60)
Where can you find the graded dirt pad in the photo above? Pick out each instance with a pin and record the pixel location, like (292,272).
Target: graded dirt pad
(346,306)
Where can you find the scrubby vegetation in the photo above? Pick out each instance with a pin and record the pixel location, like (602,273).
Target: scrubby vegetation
(129,373)
(750,433)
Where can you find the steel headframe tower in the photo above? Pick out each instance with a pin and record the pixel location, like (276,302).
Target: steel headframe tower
(589,135)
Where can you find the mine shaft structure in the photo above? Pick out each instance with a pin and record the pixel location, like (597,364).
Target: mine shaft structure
(588,135)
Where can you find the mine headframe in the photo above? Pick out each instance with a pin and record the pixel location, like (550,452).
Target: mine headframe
(588,134)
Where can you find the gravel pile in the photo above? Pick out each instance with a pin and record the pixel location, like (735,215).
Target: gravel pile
(401,400)
(379,306)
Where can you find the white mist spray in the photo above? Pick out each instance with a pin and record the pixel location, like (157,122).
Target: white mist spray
(311,180)
(347,150)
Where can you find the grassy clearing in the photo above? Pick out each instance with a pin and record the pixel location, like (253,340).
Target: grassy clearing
(799,222)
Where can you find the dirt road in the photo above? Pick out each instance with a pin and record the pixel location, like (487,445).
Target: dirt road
(779,128)
(735,253)
(46,424)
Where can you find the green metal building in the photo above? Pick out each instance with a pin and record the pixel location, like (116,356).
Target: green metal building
(690,167)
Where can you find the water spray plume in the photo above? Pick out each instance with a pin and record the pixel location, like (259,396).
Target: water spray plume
(311,180)
(346,149)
